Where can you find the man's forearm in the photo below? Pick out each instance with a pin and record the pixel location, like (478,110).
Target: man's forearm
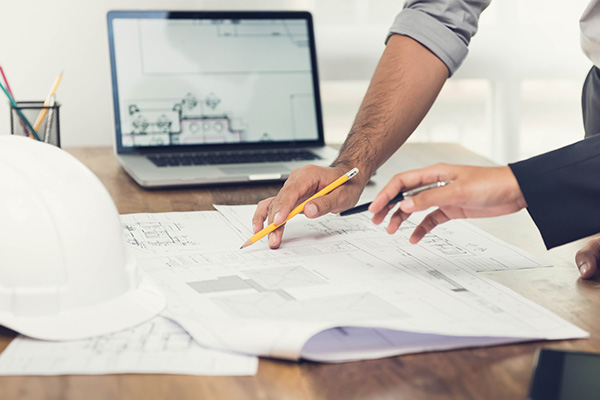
(406,82)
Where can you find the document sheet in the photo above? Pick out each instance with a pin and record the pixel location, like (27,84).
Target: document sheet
(157,346)
(339,288)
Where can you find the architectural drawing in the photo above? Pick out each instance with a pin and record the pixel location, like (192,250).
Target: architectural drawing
(157,346)
(188,121)
(282,28)
(362,306)
(153,336)
(152,235)
(344,272)
(214,82)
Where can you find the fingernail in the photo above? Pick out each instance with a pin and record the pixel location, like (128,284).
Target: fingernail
(277,220)
(407,205)
(311,210)
(256,228)
(584,268)
(271,239)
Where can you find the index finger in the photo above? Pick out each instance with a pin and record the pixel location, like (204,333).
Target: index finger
(293,192)
(410,180)
(260,214)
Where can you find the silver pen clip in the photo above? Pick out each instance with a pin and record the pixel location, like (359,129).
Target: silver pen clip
(418,190)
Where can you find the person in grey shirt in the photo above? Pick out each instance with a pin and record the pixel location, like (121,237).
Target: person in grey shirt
(426,44)
(444,27)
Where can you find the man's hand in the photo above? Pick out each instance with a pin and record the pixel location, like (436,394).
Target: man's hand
(588,257)
(405,84)
(302,184)
(475,192)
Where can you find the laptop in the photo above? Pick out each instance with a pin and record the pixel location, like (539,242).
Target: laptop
(207,97)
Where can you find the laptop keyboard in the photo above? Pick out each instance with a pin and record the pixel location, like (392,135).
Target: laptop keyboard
(231,157)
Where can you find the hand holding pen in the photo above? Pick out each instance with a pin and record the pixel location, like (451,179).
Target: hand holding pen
(475,192)
(396,199)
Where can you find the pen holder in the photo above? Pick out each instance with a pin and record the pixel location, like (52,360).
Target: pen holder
(49,128)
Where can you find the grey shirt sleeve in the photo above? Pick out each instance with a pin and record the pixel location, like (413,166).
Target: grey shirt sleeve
(445,27)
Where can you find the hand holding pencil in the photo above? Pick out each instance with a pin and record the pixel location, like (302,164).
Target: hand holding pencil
(302,184)
(298,209)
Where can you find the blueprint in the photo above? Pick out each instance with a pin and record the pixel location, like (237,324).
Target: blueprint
(157,346)
(339,288)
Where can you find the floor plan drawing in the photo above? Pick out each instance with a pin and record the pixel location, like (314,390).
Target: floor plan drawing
(151,235)
(343,272)
(157,346)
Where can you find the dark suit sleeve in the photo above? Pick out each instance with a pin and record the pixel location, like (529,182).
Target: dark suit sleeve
(562,191)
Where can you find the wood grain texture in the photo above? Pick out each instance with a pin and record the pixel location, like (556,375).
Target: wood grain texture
(501,372)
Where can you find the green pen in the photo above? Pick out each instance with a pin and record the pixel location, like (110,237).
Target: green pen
(14,104)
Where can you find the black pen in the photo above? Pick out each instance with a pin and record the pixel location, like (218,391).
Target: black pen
(398,198)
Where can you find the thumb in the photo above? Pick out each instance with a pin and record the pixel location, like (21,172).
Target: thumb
(318,207)
(331,203)
(587,258)
(436,197)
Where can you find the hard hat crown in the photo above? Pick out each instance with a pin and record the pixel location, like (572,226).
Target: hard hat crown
(62,251)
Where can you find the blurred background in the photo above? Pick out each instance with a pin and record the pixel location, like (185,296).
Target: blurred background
(517,94)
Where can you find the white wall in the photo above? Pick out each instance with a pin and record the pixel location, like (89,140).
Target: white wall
(524,70)
(41,38)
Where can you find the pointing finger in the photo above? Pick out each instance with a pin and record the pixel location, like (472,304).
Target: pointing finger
(432,220)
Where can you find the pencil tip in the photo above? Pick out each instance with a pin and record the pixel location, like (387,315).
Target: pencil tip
(248,243)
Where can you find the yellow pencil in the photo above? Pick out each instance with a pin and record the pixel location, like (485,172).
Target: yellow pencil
(42,114)
(338,182)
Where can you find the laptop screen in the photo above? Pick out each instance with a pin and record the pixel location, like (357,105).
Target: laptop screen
(202,79)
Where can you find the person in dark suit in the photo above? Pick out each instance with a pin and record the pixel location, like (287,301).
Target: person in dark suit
(560,189)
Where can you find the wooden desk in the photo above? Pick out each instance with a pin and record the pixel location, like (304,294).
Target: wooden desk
(501,372)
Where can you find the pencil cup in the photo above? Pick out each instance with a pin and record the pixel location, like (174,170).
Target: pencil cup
(49,127)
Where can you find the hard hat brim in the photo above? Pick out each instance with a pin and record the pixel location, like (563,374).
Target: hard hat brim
(123,312)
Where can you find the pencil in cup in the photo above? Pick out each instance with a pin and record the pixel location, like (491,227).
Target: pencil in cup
(333,185)
(31,109)
(44,110)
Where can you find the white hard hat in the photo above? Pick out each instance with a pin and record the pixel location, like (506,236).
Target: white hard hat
(65,272)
